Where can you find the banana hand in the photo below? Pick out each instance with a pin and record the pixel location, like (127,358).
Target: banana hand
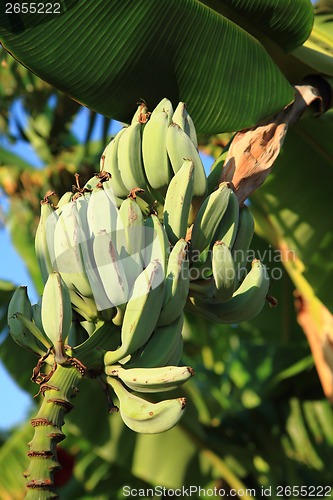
(145,417)
(158,379)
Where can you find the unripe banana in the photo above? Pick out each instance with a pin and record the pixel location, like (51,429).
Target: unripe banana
(209,217)
(155,157)
(247,301)
(102,213)
(215,174)
(243,240)
(109,163)
(91,351)
(224,273)
(180,147)
(84,306)
(182,118)
(41,244)
(160,379)
(36,312)
(106,277)
(56,314)
(111,271)
(130,157)
(227,229)
(178,202)
(156,242)
(160,347)
(130,239)
(65,198)
(177,284)
(92,182)
(145,417)
(20,307)
(166,106)
(141,313)
(175,356)
(69,262)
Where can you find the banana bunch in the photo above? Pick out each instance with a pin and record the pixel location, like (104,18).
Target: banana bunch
(151,150)
(222,288)
(126,288)
(124,256)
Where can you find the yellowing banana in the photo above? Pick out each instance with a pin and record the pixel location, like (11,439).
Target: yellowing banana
(160,379)
(145,417)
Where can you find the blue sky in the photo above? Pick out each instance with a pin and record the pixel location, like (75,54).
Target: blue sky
(12,268)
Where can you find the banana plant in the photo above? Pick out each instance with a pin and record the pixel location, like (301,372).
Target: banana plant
(210,46)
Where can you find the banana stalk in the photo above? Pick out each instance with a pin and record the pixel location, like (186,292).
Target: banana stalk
(57,392)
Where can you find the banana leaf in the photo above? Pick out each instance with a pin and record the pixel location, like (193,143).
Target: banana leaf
(184,50)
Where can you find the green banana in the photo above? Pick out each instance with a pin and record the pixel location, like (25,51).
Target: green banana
(91,350)
(156,242)
(102,214)
(36,312)
(41,240)
(243,240)
(180,147)
(247,301)
(130,161)
(141,313)
(178,201)
(182,118)
(224,274)
(160,347)
(177,352)
(160,379)
(111,271)
(109,163)
(56,314)
(84,306)
(65,198)
(227,229)
(215,173)
(146,417)
(166,106)
(68,257)
(209,217)
(20,307)
(155,157)
(130,239)
(177,284)
(92,183)
(100,263)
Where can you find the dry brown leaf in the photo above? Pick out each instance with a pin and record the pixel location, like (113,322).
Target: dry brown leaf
(320,338)
(253,151)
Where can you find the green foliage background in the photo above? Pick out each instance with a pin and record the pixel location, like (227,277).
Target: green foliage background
(257,415)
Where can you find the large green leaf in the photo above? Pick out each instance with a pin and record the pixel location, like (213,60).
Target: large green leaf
(108,55)
(286,23)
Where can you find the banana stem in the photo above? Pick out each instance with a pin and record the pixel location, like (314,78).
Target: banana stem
(47,424)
